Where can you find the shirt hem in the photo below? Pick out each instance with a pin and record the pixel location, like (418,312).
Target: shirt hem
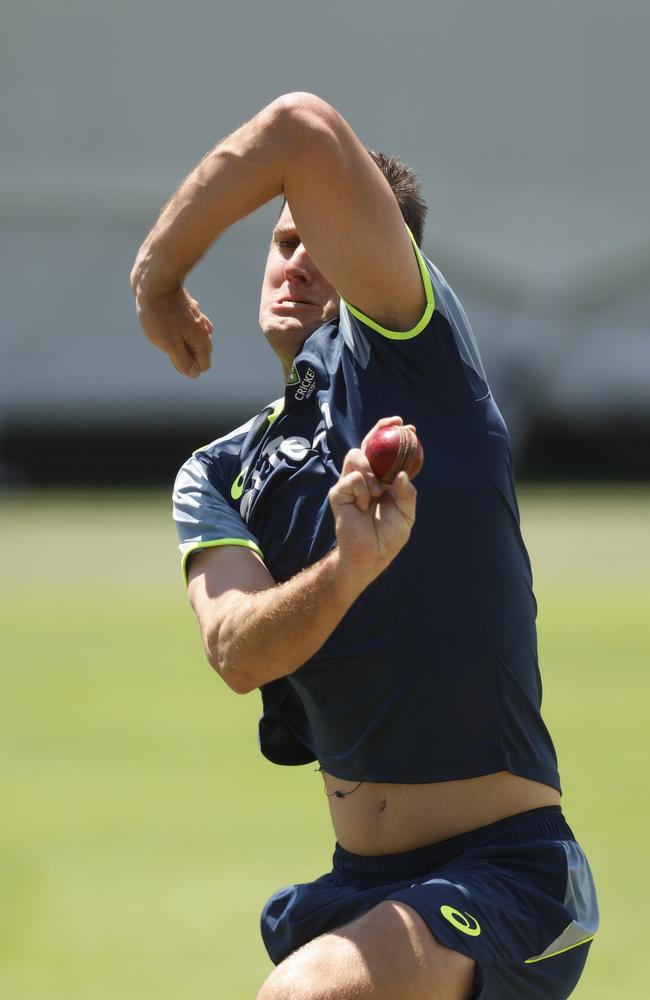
(390,775)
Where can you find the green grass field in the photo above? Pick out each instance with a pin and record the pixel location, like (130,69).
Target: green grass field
(142,831)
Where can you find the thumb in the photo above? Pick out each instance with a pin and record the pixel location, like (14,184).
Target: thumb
(405,495)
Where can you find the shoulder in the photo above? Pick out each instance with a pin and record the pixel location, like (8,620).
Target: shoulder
(224,448)
(214,461)
(439,352)
(209,476)
(207,491)
(350,313)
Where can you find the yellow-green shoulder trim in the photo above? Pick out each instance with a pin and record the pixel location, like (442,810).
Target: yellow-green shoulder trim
(245,542)
(428,312)
(542,958)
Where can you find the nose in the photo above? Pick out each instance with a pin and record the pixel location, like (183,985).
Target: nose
(299,265)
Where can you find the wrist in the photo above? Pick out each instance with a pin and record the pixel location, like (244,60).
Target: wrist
(149,282)
(349,578)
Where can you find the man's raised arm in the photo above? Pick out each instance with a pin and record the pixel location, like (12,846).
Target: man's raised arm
(346,214)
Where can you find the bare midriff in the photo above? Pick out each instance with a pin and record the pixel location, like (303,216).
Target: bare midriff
(373,818)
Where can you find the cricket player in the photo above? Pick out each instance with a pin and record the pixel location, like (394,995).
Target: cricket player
(398,652)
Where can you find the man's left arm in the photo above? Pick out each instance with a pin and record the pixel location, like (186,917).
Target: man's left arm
(343,207)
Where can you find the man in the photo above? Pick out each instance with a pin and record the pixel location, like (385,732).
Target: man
(400,654)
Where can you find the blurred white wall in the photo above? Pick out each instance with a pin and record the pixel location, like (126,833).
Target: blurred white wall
(527,123)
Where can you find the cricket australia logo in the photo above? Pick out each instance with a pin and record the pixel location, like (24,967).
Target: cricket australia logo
(307,385)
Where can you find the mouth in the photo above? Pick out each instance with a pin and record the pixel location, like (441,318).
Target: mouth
(297,309)
(290,301)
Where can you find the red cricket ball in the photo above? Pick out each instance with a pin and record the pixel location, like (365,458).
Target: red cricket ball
(393,449)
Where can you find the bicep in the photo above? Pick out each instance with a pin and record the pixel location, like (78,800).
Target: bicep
(349,220)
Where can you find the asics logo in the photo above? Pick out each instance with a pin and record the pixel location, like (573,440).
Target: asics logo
(464,922)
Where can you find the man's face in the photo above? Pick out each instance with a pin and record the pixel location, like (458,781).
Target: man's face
(296,298)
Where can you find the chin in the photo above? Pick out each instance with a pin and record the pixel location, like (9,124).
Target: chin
(287,339)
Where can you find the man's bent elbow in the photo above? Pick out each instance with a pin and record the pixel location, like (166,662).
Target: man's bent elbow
(303,115)
(237,679)
(239,682)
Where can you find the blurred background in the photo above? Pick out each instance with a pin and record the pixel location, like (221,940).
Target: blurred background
(142,830)
(527,123)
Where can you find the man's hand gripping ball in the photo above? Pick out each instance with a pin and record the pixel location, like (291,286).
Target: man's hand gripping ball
(373,518)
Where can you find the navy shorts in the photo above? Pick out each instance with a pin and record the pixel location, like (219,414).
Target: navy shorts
(516,896)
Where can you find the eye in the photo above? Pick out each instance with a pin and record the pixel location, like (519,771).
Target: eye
(288,245)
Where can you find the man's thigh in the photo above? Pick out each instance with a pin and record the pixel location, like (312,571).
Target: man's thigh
(388,954)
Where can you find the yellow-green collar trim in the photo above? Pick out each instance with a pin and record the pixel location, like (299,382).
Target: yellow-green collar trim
(246,542)
(428,312)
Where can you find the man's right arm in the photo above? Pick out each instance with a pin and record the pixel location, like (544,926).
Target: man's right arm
(255,630)
(347,216)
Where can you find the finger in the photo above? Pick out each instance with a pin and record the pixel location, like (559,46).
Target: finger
(351,489)
(356,461)
(199,345)
(197,339)
(383,422)
(193,306)
(184,363)
(386,421)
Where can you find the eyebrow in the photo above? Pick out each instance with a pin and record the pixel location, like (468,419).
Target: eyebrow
(280,232)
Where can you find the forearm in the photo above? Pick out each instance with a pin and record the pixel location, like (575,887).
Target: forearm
(241,173)
(254,630)
(271,633)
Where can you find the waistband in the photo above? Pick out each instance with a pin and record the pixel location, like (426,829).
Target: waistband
(546,823)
